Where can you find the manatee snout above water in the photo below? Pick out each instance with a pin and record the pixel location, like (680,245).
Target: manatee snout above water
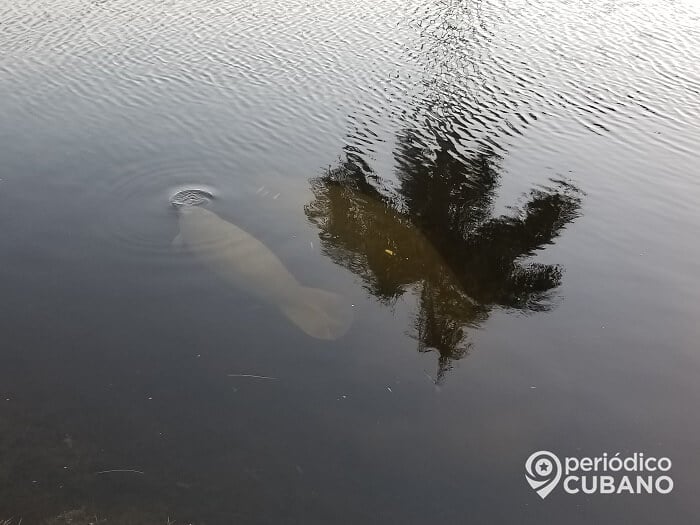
(246,263)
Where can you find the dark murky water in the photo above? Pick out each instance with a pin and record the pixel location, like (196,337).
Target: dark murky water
(505,192)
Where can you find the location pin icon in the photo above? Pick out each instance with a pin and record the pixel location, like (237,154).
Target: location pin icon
(543,472)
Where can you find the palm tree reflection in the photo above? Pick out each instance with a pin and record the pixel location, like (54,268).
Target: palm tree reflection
(437,236)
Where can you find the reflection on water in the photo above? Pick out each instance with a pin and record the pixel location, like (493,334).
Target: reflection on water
(435,232)
(438,237)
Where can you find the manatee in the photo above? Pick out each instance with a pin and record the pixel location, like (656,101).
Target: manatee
(247,264)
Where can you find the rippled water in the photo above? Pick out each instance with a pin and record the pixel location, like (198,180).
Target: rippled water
(504,192)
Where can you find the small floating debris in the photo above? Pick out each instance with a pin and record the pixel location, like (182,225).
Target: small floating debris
(388,252)
(132,471)
(252,376)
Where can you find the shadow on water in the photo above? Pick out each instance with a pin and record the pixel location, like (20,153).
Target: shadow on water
(437,236)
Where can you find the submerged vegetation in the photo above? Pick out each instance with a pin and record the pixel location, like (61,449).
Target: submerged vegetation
(82,516)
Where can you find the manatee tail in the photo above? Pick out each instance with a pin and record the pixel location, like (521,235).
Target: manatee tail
(320,314)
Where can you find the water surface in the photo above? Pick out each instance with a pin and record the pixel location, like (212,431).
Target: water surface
(505,192)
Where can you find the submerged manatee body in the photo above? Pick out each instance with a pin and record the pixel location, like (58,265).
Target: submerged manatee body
(246,263)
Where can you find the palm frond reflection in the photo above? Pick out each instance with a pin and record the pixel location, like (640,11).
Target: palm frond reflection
(437,236)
